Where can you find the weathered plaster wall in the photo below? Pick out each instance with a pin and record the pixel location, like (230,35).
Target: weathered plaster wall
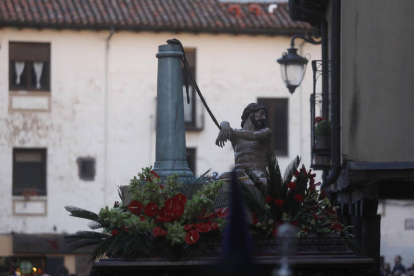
(377,82)
(232,71)
(395,240)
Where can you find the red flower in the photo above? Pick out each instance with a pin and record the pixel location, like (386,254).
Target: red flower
(152,209)
(337,227)
(142,218)
(222,212)
(319,119)
(114,232)
(294,223)
(180,197)
(192,237)
(202,227)
(269,199)
(274,231)
(323,194)
(207,216)
(189,226)
(291,185)
(313,186)
(161,219)
(162,187)
(255,221)
(214,226)
(296,173)
(298,198)
(126,229)
(135,207)
(174,207)
(154,174)
(159,232)
(317,217)
(279,202)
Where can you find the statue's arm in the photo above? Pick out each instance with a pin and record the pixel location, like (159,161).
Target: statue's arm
(264,134)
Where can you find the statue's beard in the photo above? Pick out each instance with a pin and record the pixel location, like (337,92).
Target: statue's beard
(258,124)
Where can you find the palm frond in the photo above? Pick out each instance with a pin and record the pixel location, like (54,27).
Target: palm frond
(120,194)
(222,198)
(81,213)
(81,235)
(254,199)
(97,225)
(80,244)
(290,170)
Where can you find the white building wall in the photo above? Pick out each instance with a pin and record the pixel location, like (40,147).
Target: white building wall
(232,71)
(395,239)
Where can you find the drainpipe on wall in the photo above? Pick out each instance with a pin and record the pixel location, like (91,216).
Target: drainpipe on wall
(335,95)
(106,113)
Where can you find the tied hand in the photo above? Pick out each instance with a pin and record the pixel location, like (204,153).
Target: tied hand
(224,134)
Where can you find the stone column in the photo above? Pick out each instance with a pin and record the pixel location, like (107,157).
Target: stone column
(170,154)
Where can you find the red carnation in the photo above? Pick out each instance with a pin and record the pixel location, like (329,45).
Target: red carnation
(114,232)
(192,237)
(279,202)
(222,212)
(291,185)
(269,199)
(135,207)
(298,198)
(152,209)
(180,197)
(274,231)
(142,218)
(189,226)
(162,187)
(159,232)
(203,227)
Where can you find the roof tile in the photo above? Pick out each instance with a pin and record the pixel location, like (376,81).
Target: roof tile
(151,15)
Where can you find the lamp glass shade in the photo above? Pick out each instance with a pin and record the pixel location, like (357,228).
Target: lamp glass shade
(292,68)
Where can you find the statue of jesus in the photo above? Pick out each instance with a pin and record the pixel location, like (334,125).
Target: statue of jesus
(251,143)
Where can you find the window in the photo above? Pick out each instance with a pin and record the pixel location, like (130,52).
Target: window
(29,172)
(29,66)
(191,159)
(278,122)
(190,110)
(86,167)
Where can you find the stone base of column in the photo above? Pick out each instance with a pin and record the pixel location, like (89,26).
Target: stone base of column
(164,168)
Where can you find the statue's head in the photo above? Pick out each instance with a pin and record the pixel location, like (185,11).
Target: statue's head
(250,111)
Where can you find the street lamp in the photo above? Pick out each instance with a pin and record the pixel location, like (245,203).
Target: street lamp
(292,65)
(293,68)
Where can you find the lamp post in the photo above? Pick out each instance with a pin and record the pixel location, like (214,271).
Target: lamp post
(292,65)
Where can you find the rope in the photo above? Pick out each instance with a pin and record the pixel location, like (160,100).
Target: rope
(188,73)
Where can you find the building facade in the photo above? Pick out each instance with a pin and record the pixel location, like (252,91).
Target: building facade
(78,104)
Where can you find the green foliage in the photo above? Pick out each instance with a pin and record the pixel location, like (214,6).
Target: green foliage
(293,199)
(323,128)
(139,232)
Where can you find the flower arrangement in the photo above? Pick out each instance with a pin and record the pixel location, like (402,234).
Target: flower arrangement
(292,199)
(161,219)
(322,127)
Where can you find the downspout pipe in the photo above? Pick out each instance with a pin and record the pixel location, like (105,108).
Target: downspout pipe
(106,112)
(335,94)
